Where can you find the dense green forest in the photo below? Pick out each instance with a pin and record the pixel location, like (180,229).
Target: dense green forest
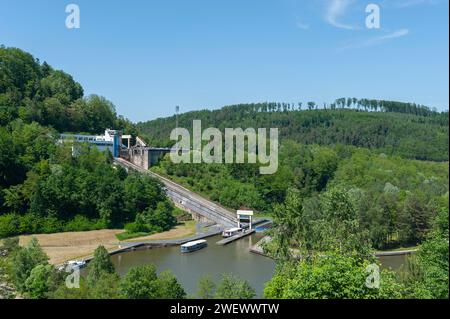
(34,92)
(43,188)
(66,193)
(392,128)
(353,176)
(398,198)
(389,152)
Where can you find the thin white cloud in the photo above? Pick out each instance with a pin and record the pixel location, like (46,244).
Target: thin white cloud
(411,3)
(335,10)
(376,40)
(393,35)
(302,25)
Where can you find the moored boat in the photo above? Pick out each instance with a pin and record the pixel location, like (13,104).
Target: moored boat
(74,264)
(231,232)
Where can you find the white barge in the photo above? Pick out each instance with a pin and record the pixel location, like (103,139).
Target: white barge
(231,232)
(193,246)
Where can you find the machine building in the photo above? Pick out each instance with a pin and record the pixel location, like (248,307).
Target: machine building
(140,154)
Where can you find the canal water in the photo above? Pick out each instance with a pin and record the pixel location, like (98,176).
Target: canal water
(215,260)
(393,262)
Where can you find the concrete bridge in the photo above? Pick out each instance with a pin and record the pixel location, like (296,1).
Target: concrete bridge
(187,200)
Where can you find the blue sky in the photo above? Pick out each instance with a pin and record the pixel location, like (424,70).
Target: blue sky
(148,56)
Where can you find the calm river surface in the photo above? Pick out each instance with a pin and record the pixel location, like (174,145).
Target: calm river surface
(214,260)
(393,262)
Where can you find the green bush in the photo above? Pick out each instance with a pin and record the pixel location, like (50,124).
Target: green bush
(14,224)
(332,275)
(41,281)
(134,227)
(23,262)
(50,225)
(82,223)
(9,225)
(129,235)
(151,221)
(143,283)
(28,224)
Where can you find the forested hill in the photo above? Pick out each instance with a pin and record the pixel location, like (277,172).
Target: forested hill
(43,188)
(31,91)
(394,128)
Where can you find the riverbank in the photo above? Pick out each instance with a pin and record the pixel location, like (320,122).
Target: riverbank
(61,247)
(395,252)
(258,249)
(214,261)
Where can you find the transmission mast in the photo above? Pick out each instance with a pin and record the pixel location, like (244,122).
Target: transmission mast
(177,109)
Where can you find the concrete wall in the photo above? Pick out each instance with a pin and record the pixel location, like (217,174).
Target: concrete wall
(195,216)
(139,156)
(143,157)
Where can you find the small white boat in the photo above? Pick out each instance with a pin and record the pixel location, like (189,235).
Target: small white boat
(231,232)
(72,265)
(76,264)
(193,246)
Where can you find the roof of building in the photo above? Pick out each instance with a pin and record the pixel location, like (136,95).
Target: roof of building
(233,229)
(193,243)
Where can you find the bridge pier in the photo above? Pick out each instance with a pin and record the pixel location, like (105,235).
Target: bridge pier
(195,216)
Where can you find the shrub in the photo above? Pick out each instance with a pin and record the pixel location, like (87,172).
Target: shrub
(231,287)
(100,264)
(129,235)
(82,223)
(9,225)
(143,283)
(41,282)
(50,225)
(24,260)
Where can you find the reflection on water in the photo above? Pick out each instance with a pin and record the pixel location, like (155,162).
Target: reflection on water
(393,262)
(213,260)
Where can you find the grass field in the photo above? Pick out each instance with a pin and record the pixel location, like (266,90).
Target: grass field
(61,247)
(184,229)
